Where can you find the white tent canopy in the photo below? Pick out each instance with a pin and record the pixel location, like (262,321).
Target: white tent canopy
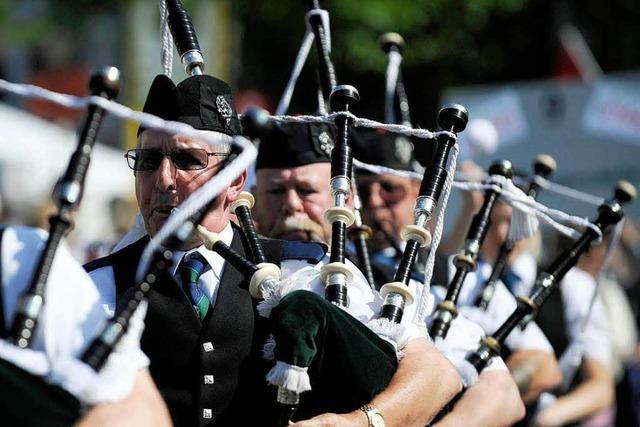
(34,153)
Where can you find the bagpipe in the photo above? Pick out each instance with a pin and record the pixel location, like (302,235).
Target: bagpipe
(543,166)
(33,398)
(295,375)
(609,213)
(466,260)
(392,44)
(67,195)
(453,119)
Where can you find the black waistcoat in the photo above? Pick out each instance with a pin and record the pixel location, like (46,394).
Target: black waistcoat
(194,364)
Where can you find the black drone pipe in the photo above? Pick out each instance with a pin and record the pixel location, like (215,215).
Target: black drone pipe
(543,166)
(466,260)
(66,195)
(452,118)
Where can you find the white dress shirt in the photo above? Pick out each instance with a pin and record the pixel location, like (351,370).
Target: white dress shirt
(578,287)
(209,280)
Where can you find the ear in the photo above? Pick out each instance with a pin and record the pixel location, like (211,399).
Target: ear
(236,187)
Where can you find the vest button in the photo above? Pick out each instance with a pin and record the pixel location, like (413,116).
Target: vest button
(208,379)
(207,413)
(207,346)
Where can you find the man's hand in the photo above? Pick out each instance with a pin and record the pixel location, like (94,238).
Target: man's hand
(549,418)
(352,419)
(142,407)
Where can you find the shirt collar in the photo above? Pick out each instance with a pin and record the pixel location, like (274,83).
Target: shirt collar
(215,261)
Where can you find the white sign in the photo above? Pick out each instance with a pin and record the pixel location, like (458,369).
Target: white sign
(504,110)
(614,110)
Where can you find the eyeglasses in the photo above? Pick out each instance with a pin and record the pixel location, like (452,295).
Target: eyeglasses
(149,159)
(388,191)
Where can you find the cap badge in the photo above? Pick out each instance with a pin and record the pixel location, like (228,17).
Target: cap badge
(224,109)
(326,144)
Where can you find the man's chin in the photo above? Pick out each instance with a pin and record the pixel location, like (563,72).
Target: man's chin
(154,225)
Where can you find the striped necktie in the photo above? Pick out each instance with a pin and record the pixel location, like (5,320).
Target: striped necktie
(190,269)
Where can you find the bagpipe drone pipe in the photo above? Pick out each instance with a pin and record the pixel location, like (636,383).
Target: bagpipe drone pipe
(452,119)
(28,397)
(466,260)
(543,166)
(348,97)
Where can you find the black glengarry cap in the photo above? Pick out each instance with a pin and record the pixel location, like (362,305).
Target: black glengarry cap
(201,101)
(290,145)
(384,148)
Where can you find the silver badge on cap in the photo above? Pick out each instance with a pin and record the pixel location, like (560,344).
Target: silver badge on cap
(224,109)
(326,144)
(402,149)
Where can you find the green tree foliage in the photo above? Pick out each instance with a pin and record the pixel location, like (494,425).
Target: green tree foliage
(434,29)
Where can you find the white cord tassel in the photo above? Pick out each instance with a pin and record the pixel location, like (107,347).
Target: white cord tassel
(166,52)
(524,223)
(291,377)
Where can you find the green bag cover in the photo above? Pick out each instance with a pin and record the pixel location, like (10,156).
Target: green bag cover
(27,400)
(348,363)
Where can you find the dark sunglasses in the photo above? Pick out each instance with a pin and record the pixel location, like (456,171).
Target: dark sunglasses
(389,192)
(149,159)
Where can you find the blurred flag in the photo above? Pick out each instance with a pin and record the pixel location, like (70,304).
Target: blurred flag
(574,59)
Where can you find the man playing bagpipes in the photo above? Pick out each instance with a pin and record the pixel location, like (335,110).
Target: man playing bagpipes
(199,336)
(292,169)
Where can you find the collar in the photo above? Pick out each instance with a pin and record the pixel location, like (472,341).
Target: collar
(215,261)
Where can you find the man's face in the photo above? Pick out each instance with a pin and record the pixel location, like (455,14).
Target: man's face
(388,203)
(161,190)
(290,203)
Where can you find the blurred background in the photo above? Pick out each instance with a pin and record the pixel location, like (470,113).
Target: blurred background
(561,77)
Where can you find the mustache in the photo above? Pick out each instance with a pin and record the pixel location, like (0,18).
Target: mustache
(288,224)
